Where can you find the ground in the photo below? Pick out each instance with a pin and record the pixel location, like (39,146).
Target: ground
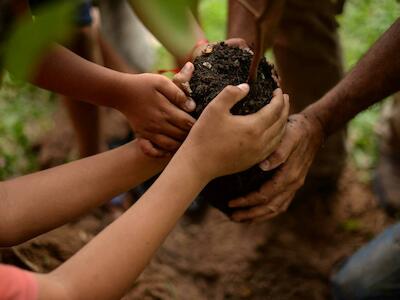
(290,257)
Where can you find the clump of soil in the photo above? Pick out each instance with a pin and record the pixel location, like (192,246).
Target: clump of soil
(216,68)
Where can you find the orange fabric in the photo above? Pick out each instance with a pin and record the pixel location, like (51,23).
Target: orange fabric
(17,284)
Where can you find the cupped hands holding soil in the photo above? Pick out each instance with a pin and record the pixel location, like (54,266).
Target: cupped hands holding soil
(217,67)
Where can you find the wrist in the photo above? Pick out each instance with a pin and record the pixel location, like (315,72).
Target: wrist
(120,90)
(202,172)
(311,114)
(315,132)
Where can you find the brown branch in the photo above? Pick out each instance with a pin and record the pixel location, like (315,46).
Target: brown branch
(259,36)
(249,8)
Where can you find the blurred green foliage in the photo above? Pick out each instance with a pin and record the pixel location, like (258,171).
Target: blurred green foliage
(24,115)
(361,24)
(351,225)
(24,109)
(52,23)
(213,19)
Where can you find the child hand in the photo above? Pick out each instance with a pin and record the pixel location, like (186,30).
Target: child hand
(221,143)
(157,111)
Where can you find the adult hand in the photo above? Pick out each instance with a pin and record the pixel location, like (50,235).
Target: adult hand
(221,143)
(157,110)
(302,139)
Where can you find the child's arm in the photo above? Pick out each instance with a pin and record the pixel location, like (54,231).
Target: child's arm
(218,144)
(65,192)
(153,105)
(37,203)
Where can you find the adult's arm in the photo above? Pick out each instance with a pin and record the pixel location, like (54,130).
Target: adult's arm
(375,76)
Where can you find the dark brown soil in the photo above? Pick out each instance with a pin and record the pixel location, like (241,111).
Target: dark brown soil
(215,69)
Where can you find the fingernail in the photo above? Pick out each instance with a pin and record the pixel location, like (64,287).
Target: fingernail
(190,105)
(187,67)
(190,124)
(244,87)
(264,165)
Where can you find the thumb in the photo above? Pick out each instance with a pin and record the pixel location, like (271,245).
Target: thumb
(184,75)
(173,91)
(230,95)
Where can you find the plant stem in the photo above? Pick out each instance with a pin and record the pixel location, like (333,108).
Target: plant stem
(259,36)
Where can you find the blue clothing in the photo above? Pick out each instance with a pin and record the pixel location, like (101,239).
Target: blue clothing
(83,17)
(373,272)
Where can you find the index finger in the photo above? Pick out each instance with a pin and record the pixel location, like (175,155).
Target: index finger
(176,96)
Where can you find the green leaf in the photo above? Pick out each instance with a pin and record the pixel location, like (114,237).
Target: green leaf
(31,36)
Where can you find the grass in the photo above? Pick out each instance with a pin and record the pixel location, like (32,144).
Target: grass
(25,111)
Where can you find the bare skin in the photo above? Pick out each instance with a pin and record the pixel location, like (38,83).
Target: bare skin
(83,184)
(376,76)
(154,106)
(241,23)
(85,117)
(89,44)
(107,266)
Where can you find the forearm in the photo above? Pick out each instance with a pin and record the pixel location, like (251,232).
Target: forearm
(172,23)
(64,72)
(127,245)
(36,203)
(376,76)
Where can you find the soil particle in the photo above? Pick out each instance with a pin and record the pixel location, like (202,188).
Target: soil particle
(215,69)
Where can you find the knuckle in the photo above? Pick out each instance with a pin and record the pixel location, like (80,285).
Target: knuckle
(180,96)
(153,126)
(285,207)
(253,130)
(178,78)
(230,90)
(164,114)
(161,79)
(212,108)
(250,132)
(262,198)
(299,182)
(277,156)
